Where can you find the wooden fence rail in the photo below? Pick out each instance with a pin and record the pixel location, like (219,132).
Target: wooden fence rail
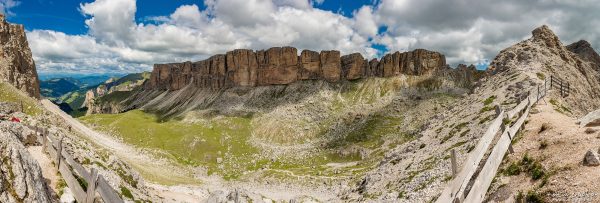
(457,190)
(563,87)
(73,172)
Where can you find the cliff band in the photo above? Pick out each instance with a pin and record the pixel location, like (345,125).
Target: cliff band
(282,65)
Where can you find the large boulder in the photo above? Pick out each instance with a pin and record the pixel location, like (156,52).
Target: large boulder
(592,119)
(591,158)
(21,177)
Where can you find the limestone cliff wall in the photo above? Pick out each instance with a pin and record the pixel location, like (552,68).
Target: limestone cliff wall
(16,62)
(282,65)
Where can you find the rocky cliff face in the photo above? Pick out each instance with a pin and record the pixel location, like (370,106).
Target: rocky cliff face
(585,51)
(282,65)
(21,177)
(16,63)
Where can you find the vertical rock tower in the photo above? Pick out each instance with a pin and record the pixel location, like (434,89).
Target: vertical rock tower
(16,63)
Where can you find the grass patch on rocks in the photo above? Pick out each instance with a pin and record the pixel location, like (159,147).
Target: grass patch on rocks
(10,94)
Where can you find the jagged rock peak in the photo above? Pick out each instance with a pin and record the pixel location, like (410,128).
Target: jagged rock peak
(585,51)
(16,62)
(546,35)
(282,65)
(580,45)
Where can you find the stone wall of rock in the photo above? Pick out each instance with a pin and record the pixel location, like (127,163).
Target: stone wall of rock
(16,62)
(282,65)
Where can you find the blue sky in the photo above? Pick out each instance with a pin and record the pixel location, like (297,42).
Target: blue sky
(108,36)
(65,16)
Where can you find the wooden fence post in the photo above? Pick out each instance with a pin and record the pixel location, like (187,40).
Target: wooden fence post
(59,153)
(510,148)
(91,189)
(538,94)
(498,110)
(44,140)
(454,165)
(561,89)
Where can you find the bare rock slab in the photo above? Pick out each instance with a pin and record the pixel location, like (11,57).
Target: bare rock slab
(592,119)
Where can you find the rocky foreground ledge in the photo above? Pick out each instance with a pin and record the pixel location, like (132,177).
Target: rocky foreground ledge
(282,65)
(21,177)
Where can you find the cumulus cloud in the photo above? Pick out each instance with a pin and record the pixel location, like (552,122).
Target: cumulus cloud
(6,5)
(466,31)
(473,31)
(115,41)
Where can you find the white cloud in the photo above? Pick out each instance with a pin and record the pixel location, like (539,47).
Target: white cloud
(365,22)
(6,5)
(471,31)
(466,31)
(112,21)
(116,42)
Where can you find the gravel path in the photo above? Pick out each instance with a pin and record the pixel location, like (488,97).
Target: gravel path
(48,169)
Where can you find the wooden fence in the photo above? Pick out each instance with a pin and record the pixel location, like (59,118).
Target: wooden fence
(73,173)
(471,185)
(563,87)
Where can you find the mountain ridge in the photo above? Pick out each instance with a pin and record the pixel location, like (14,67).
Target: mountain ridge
(16,61)
(282,65)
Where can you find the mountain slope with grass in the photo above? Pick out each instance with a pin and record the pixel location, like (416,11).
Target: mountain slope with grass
(58,87)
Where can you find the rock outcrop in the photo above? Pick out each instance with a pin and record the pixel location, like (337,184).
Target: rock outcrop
(16,62)
(282,65)
(543,56)
(106,97)
(586,52)
(21,177)
(591,158)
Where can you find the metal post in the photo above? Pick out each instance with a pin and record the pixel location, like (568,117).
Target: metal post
(551,81)
(454,165)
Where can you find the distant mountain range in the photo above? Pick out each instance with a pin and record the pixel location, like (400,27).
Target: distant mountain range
(69,92)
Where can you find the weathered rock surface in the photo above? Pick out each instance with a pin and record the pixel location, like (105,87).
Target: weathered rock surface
(16,62)
(592,119)
(544,55)
(106,97)
(591,158)
(21,177)
(282,65)
(586,52)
